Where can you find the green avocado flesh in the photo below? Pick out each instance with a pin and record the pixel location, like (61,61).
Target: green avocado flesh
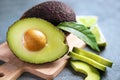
(54,48)
(99,36)
(90,72)
(91,23)
(87,60)
(93,56)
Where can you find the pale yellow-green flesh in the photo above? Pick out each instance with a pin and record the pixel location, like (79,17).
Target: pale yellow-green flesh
(54,49)
(87,60)
(90,72)
(99,36)
(93,56)
(91,22)
(88,21)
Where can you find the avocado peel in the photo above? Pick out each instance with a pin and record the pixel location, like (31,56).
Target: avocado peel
(52,11)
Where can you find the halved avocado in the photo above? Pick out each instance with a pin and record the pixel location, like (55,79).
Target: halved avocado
(36,41)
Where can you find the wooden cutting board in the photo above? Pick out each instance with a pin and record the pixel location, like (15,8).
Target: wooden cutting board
(13,67)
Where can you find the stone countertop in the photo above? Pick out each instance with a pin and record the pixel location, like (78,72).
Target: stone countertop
(108,12)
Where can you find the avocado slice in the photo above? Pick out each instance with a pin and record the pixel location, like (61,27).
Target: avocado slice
(90,72)
(93,56)
(87,60)
(36,41)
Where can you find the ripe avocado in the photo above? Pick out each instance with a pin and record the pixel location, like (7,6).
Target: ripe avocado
(52,11)
(90,72)
(87,60)
(36,41)
(93,56)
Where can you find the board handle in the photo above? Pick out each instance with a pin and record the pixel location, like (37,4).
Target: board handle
(10,72)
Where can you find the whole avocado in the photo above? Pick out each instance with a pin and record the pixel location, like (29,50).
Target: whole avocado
(52,11)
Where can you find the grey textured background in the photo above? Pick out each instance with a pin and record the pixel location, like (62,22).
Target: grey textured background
(108,12)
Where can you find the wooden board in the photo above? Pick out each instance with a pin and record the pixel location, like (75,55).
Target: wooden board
(14,67)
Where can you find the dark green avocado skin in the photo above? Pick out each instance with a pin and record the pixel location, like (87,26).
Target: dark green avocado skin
(52,11)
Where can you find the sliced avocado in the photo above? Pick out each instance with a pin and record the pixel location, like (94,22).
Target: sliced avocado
(87,60)
(93,56)
(36,41)
(90,72)
(52,11)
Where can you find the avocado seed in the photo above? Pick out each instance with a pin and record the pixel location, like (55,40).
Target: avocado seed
(34,40)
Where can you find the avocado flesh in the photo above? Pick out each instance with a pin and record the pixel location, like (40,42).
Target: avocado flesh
(87,60)
(54,48)
(91,23)
(90,72)
(93,56)
(99,36)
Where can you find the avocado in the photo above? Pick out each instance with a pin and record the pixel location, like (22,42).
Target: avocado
(87,60)
(90,72)
(36,41)
(52,11)
(93,56)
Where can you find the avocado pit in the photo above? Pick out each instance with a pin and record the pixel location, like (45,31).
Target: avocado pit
(34,40)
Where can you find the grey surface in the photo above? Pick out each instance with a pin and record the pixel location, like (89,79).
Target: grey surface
(109,20)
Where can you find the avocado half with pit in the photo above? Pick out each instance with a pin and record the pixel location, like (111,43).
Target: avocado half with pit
(36,41)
